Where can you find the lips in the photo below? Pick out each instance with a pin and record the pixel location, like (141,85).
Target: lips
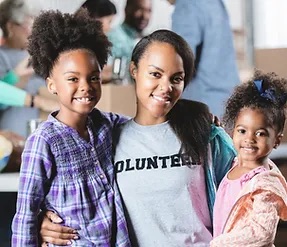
(84,99)
(162,99)
(249,149)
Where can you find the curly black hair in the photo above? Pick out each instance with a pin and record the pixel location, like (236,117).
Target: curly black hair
(55,32)
(271,101)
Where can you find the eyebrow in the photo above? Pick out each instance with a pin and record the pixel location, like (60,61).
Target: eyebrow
(75,72)
(151,65)
(243,126)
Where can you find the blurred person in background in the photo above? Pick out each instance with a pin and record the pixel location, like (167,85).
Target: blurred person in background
(16,18)
(104,11)
(205,26)
(125,36)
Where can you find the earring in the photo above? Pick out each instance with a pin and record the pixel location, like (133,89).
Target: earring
(276,146)
(10,34)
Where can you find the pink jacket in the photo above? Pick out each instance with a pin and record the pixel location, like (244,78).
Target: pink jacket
(254,218)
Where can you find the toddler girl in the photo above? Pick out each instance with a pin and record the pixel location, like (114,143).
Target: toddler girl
(252,197)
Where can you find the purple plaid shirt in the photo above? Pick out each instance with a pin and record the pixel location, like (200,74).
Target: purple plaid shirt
(62,172)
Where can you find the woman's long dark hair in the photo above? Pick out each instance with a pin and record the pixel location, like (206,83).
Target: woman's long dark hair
(191,121)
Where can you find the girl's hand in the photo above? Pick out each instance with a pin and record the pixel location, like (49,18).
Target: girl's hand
(216,121)
(52,232)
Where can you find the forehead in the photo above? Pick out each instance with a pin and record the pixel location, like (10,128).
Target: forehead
(249,116)
(141,4)
(162,49)
(162,55)
(76,57)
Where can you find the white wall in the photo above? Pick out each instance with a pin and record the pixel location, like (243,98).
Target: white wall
(270,19)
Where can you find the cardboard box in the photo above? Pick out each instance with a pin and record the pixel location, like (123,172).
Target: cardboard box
(273,60)
(119,99)
(115,98)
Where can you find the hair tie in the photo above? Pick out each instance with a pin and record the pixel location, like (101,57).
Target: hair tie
(268,94)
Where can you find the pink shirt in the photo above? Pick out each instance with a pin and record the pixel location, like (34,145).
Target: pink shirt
(227,195)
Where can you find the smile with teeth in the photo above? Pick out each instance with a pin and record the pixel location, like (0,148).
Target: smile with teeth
(164,99)
(248,149)
(84,99)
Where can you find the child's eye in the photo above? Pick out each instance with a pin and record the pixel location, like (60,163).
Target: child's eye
(241,131)
(95,79)
(261,133)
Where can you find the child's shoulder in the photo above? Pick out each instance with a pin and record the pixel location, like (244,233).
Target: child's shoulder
(102,117)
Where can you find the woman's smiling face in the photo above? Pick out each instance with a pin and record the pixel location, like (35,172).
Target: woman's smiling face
(159,79)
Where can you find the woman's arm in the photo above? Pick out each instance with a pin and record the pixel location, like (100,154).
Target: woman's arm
(53,233)
(11,95)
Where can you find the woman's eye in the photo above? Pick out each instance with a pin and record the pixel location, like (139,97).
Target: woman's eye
(177,80)
(95,78)
(155,74)
(73,79)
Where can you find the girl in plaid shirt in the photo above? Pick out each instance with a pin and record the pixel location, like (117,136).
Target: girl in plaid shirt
(66,163)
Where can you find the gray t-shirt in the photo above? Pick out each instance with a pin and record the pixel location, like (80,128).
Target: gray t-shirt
(16,118)
(163,193)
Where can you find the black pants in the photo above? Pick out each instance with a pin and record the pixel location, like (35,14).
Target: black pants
(7,211)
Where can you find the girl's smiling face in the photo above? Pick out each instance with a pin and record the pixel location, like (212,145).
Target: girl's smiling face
(159,80)
(253,138)
(76,79)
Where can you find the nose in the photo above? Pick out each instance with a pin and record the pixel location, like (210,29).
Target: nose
(165,86)
(146,15)
(249,138)
(85,86)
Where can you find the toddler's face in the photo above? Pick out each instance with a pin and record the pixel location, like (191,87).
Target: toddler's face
(252,137)
(76,79)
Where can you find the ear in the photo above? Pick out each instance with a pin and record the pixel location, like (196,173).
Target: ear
(278,140)
(51,85)
(9,28)
(133,70)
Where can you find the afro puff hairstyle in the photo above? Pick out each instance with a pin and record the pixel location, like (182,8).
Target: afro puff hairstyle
(55,32)
(246,95)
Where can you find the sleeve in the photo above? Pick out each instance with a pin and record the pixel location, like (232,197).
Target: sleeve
(117,119)
(10,77)
(11,95)
(223,152)
(4,65)
(219,162)
(188,21)
(34,183)
(258,229)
